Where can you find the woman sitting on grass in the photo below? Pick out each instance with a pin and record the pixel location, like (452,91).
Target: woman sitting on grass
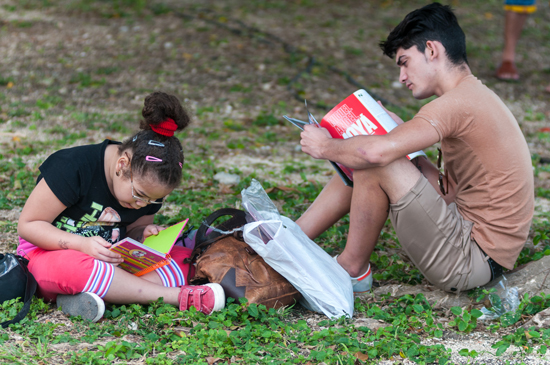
(89,197)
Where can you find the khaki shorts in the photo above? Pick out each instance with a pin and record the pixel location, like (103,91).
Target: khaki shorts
(437,240)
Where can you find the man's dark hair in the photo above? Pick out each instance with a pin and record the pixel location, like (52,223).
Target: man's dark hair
(433,22)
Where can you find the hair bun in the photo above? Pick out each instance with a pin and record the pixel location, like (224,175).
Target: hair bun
(160,106)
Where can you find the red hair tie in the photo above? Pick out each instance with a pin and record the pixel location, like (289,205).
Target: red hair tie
(166,128)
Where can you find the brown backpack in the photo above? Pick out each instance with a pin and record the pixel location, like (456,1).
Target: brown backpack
(226,259)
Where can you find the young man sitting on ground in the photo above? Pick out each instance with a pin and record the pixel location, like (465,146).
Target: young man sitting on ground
(459,227)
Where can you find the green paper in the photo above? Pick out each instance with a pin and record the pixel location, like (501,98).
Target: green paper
(166,238)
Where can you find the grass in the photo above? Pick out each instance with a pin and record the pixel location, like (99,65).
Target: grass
(243,333)
(87,100)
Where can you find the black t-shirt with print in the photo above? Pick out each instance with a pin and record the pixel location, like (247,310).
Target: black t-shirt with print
(77,178)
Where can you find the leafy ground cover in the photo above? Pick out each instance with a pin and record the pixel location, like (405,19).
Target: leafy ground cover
(76,72)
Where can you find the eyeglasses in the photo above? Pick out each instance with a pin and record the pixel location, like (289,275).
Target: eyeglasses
(139,199)
(440,181)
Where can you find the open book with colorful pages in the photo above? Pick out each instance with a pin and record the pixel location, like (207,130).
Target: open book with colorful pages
(358,114)
(142,258)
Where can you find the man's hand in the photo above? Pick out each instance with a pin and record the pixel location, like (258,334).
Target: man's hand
(151,230)
(98,248)
(314,141)
(392,114)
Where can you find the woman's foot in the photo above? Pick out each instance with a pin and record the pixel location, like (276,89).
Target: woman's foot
(507,71)
(206,298)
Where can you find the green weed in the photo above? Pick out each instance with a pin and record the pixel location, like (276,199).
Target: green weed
(16,181)
(265,119)
(524,340)
(465,321)
(541,243)
(86,80)
(240,88)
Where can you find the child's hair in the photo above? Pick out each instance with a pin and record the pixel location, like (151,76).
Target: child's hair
(155,150)
(433,22)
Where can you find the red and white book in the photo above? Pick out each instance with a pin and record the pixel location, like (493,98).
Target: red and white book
(154,252)
(358,114)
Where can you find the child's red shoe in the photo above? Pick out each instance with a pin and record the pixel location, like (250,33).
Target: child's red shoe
(206,298)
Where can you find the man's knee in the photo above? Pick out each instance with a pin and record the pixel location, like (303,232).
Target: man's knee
(394,179)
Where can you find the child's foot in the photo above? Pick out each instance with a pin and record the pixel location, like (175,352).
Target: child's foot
(362,283)
(206,298)
(87,305)
(507,71)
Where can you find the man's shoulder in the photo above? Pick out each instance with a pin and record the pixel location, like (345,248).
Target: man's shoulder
(469,89)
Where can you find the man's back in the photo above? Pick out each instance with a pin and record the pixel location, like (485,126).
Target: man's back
(486,155)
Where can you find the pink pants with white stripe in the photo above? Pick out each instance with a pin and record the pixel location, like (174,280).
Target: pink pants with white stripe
(73,272)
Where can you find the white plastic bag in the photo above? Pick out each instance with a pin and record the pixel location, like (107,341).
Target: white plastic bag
(504,300)
(325,285)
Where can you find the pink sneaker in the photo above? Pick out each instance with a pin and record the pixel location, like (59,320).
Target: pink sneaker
(206,298)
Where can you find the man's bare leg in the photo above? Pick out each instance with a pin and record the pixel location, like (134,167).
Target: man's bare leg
(328,208)
(368,214)
(374,189)
(513,27)
(512,32)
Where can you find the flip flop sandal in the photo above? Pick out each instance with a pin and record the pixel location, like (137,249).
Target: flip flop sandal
(507,72)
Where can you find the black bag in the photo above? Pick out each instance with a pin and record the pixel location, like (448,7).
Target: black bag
(16,282)
(227,260)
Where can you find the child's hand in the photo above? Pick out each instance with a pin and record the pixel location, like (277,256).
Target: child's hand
(98,248)
(151,230)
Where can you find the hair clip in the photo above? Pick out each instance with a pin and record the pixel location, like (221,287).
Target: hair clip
(181,165)
(152,142)
(152,159)
(134,139)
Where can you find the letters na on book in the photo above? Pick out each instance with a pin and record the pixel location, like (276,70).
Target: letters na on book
(358,114)
(142,258)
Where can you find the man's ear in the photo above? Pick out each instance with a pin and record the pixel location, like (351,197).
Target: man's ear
(433,49)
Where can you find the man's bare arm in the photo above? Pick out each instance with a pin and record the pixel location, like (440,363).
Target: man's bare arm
(363,152)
